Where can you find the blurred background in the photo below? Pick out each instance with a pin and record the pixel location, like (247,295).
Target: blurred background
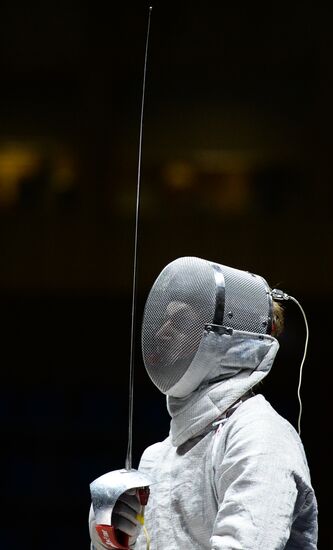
(236,168)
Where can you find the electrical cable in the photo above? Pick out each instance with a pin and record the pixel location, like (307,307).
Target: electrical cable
(302,363)
(279,295)
(147,537)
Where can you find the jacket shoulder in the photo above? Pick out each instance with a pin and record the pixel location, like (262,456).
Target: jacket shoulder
(152,454)
(258,412)
(257,428)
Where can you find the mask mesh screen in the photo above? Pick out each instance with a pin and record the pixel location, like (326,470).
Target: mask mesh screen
(180,303)
(246,301)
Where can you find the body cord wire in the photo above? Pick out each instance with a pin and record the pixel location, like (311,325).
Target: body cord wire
(302,364)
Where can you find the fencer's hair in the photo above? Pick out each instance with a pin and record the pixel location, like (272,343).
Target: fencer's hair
(278,319)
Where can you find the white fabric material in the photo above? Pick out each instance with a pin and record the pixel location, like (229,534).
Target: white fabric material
(244,486)
(226,355)
(241,485)
(244,360)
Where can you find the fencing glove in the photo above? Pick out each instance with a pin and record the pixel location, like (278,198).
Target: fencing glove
(127,517)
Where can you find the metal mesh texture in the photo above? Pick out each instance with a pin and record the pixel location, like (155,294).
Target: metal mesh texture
(180,303)
(247,303)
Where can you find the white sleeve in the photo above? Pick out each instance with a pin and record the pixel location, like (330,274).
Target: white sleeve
(255,489)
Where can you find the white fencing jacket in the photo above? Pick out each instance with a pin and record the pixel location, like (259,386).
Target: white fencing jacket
(244,485)
(232,475)
(240,484)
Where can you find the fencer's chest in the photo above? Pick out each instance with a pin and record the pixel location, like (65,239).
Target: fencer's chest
(182,506)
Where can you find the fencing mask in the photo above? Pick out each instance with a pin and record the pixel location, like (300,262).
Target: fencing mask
(191,306)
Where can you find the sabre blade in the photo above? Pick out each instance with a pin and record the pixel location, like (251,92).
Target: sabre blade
(106,489)
(128,462)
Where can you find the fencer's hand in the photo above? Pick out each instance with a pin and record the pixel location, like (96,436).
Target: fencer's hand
(125,516)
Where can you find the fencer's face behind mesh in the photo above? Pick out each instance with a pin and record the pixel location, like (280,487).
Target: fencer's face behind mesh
(179,320)
(179,305)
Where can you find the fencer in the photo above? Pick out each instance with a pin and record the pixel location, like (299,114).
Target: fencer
(232,474)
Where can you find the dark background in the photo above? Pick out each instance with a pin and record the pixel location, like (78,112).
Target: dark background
(236,168)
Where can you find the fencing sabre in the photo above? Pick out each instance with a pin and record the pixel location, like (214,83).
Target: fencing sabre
(106,489)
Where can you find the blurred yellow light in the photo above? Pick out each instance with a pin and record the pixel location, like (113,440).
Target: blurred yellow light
(16,162)
(179,175)
(20,161)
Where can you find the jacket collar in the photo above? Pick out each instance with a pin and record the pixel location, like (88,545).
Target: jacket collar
(245,360)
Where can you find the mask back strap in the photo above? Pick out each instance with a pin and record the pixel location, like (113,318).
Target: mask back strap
(220,295)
